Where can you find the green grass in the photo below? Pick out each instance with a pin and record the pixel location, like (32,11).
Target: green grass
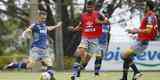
(66,75)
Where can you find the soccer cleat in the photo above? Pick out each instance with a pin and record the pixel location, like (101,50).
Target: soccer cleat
(96,73)
(76,70)
(137,76)
(51,72)
(123,79)
(45,76)
(79,73)
(53,78)
(74,78)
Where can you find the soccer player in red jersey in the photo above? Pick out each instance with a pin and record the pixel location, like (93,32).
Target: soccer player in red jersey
(91,29)
(147,32)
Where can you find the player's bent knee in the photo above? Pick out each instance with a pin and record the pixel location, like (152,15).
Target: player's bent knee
(98,55)
(128,53)
(48,61)
(31,61)
(81,50)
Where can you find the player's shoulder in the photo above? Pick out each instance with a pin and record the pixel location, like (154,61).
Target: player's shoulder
(34,24)
(83,14)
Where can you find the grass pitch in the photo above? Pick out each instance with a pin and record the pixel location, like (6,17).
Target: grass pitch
(66,76)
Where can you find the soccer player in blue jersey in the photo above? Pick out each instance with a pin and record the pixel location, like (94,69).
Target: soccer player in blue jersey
(103,43)
(38,51)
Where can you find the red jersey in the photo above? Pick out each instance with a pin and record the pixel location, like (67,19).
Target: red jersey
(149,19)
(90,27)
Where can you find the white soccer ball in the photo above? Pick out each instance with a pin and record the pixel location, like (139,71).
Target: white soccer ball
(46,76)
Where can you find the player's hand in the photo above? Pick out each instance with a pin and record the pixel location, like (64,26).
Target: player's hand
(71,28)
(25,35)
(106,20)
(59,24)
(74,29)
(22,36)
(132,31)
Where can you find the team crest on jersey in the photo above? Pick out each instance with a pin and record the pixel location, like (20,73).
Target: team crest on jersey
(89,27)
(89,24)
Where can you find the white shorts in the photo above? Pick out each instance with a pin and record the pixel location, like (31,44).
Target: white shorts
(37,54)
(91,45)
(139,46)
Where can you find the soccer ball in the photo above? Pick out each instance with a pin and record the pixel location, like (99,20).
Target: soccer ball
(45,76)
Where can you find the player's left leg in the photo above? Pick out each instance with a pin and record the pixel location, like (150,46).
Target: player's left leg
(81,62)
(82,58)
(48,63)
(139,47)
(103,43)
(127,60)
(142,45)
(98,63)
(95,49)
(46,60)
(80,55)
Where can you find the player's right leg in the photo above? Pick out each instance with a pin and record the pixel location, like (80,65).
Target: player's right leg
(47,62)
(128,62)
(41,55)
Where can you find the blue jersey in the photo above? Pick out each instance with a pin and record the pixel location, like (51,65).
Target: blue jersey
(105,28)
(105,34)
(40,36)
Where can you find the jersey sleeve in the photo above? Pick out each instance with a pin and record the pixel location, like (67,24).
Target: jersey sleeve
(81,15)
(33,27)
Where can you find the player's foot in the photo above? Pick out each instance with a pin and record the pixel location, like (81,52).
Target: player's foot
(74,78)
(76,70)
(123,79)
(137,76)
(53,78)
(79,73)
(52,73)
(96,73)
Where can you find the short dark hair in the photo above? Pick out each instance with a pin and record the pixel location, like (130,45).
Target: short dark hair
(90,2)
(150,4)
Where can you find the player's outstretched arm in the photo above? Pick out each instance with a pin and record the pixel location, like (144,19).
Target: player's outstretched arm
(104,21)
(133,31)
(77,28)
(50,28)
(147,30)
(29,29)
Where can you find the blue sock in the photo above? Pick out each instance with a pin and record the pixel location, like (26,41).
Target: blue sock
(50,70)
(125,70)
(133,66)
(76,69)
(98,63)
